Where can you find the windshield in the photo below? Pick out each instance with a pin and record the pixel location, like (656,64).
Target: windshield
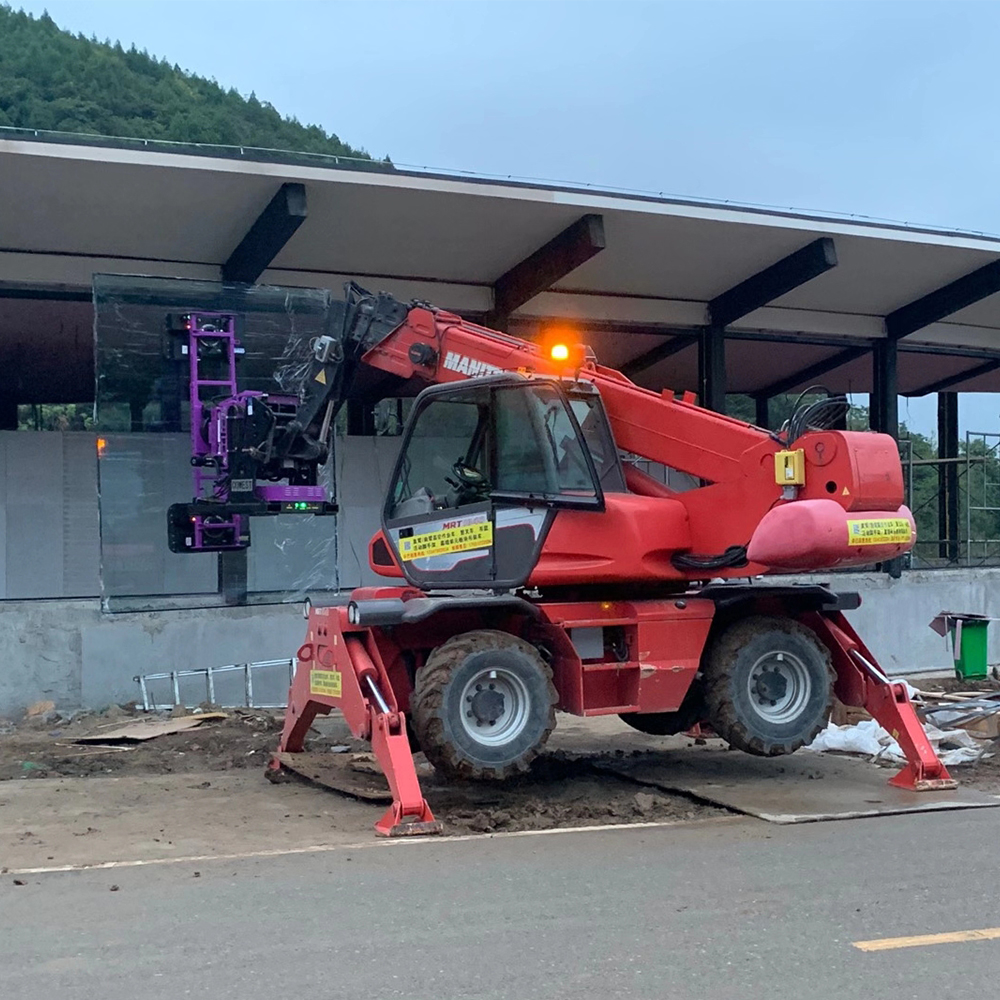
(466,447)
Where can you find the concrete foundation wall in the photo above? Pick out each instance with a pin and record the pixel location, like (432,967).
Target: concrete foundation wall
(894,614)
(71,653)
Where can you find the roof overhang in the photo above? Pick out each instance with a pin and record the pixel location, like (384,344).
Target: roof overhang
(70,210)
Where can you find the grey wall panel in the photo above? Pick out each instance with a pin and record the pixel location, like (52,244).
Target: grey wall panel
(81,529)
(3,515)
(52,543)
(140,476)
(34,544)
(364,465)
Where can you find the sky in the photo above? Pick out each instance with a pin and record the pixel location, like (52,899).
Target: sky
(878,109)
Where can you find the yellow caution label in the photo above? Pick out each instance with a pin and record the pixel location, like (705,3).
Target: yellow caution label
(326,682)
(459,538)
(884,531)
(321,377)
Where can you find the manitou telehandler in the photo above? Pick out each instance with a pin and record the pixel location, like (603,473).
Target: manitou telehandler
(539,568)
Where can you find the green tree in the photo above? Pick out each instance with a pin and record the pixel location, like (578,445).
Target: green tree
(53,80)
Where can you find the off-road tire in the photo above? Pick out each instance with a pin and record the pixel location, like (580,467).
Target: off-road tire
(740,648)
(437,701)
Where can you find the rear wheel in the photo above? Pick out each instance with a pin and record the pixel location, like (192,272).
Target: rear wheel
(483,705)
(768,685)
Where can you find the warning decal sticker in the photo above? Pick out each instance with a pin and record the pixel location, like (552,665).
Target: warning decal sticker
(455,536)
(883,531)
(325,682)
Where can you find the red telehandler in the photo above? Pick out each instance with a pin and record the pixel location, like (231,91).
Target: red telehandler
(538,568)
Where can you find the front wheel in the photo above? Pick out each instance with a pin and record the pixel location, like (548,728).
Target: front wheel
(768,685)
(483,705)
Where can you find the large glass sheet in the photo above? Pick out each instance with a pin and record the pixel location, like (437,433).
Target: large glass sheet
(143,420)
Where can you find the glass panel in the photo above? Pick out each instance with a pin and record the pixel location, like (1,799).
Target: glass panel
(144,442)
(448,430)
(589,413)
(538,450)
(465,445)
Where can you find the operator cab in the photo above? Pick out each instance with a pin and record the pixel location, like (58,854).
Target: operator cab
(483,467)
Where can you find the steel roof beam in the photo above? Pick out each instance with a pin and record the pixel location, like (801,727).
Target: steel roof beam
(946,383)
(659,353)
(948,299)
(813,371)
(44,293)
(548,264)
(796,269)
(266,238)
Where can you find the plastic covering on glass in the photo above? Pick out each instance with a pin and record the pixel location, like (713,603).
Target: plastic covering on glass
(145,442)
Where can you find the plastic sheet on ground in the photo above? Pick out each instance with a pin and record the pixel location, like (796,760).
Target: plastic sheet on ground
(869,739)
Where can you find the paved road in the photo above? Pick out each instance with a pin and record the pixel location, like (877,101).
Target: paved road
(734,909)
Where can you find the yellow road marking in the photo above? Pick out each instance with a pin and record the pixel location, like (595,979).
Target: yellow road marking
(920,940)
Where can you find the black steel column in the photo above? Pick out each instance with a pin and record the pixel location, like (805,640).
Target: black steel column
(884,413)
(360,418)
(712,369)
(948,476)
(135,409)
(8,409)
(233,576)
(762,404)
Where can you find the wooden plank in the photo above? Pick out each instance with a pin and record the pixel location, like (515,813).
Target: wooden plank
(356,775)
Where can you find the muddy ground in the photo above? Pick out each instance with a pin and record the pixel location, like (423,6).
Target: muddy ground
(203,793)
(45,748)
(563,787)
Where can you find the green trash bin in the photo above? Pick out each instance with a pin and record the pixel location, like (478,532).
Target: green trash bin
(968,639)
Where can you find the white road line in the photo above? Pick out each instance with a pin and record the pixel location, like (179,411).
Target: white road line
(280,852)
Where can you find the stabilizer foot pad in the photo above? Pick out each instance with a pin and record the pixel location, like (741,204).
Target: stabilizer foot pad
(418,829)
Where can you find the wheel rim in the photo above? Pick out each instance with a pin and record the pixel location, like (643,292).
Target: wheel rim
(779,686)
(495,705)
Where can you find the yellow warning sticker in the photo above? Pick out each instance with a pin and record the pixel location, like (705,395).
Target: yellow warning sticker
(881,531)
(321,376)
(325,682)
(457,538)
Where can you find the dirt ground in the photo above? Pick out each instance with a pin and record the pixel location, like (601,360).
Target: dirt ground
(45,748)
(950,685)
(203,792)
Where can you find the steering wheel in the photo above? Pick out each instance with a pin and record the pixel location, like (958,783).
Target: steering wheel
(468,481)
(468,475)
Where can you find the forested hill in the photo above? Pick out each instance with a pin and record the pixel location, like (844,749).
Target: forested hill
(51,79)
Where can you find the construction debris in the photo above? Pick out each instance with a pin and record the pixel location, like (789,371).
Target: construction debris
(148,729)
(976,712)
(869,739)
(39,708)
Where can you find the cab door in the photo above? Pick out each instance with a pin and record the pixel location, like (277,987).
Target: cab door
(483,469)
